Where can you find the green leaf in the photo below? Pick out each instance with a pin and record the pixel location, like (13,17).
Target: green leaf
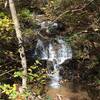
(18,74)
(30,70)
(98,81)
(34,67)
(37,62)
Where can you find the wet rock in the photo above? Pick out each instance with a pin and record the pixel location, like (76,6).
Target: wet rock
(52,29)
(57,27)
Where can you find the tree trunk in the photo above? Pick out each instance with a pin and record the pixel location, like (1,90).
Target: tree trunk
(20,42)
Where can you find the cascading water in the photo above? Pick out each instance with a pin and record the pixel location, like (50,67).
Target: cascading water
(41,51)
(56,51)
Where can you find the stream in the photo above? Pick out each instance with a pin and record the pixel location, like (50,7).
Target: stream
(56,51)
(66,92)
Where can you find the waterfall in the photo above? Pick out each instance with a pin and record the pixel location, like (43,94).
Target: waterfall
(56,51)
(41,51)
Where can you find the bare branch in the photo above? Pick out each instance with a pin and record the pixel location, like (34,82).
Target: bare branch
(75,10)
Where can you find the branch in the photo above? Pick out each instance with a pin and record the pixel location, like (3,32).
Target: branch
(13,61)
(42,36)
(7,72)
(71,11)
(59,97)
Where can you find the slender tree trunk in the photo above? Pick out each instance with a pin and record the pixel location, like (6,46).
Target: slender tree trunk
(19,37)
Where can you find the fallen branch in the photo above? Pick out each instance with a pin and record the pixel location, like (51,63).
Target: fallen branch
(59,97)
(46,38)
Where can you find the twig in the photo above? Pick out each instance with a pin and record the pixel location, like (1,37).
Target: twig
(42,36)
(70,11)
(8,63)
(59,97)
(7,72)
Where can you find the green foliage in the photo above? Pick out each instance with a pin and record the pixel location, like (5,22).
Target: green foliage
(13,93)
(27,19)
(5,23)
(98,81)
(18,74)
(25,13)
(9,90)
(48,98)
(38,73)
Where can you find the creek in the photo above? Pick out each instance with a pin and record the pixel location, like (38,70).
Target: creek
(56,51)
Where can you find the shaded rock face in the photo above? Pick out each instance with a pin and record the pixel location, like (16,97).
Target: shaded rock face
(52,29)
(57,27)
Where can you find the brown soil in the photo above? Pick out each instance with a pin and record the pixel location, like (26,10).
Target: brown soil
(66,93)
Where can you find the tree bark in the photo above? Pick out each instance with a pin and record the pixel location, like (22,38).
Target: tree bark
(20,42)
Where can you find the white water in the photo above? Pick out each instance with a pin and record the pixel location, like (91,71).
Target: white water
(57,52)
